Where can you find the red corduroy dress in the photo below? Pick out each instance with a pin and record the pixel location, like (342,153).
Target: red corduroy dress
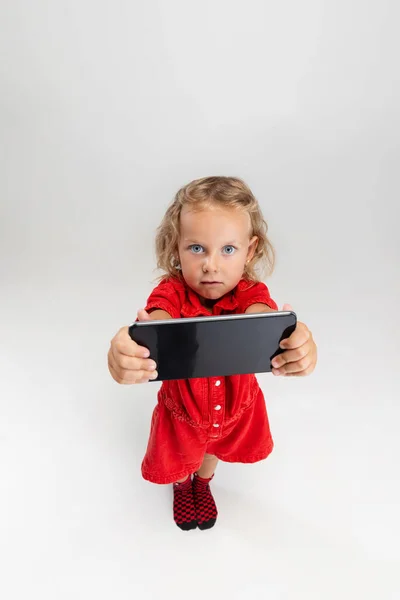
(223,416)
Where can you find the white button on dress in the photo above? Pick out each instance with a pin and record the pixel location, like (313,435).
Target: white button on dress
(215,425)
(218,407)
(217,383)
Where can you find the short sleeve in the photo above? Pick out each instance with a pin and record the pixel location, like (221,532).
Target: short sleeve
(165,297)
(257,293)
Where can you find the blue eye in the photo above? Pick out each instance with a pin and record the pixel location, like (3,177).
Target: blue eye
(232,249)
(196,248)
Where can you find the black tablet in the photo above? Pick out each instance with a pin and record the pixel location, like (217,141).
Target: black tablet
(214,346)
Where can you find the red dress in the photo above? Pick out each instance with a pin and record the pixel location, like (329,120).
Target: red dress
(224,416)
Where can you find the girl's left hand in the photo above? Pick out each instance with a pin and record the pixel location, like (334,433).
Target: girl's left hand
(300,356)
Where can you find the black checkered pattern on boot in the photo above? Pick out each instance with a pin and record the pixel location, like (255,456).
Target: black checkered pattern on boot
(206,510)
(184,510)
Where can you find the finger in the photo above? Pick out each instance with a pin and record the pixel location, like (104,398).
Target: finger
(287,307)
(123,342)
(131,363)
(294,367)
(127,376)
(147,379)
(143,315)
(128,369)
(137,376)
(299,337)
(129,348)
(147,376)
(124,378)
(289,356)
(302,373)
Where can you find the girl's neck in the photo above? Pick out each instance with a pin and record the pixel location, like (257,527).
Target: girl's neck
(208,304)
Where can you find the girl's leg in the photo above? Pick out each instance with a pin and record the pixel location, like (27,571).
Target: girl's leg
(206,509)
(185,495)
(184,508)
(208,466)
(182,480)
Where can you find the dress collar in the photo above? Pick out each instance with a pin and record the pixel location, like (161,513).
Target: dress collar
(192,306)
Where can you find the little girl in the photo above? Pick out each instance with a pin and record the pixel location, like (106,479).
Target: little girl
(211,239)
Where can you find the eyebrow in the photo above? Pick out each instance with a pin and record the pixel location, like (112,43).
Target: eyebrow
(230,243)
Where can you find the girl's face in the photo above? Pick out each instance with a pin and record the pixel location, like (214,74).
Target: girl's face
(213,249)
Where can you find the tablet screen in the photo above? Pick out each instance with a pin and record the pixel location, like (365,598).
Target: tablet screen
(214,346)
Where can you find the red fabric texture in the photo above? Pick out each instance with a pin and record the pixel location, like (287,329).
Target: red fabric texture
(224,416)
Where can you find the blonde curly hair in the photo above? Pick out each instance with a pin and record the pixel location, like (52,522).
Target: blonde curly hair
(229,192)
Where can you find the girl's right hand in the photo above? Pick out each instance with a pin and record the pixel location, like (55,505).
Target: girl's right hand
(127,361)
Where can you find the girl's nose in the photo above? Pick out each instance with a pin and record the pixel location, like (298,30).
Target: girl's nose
(210,264)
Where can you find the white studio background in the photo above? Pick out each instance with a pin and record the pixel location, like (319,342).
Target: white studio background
(107,108)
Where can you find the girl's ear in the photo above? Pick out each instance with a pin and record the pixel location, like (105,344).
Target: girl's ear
(252,248)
